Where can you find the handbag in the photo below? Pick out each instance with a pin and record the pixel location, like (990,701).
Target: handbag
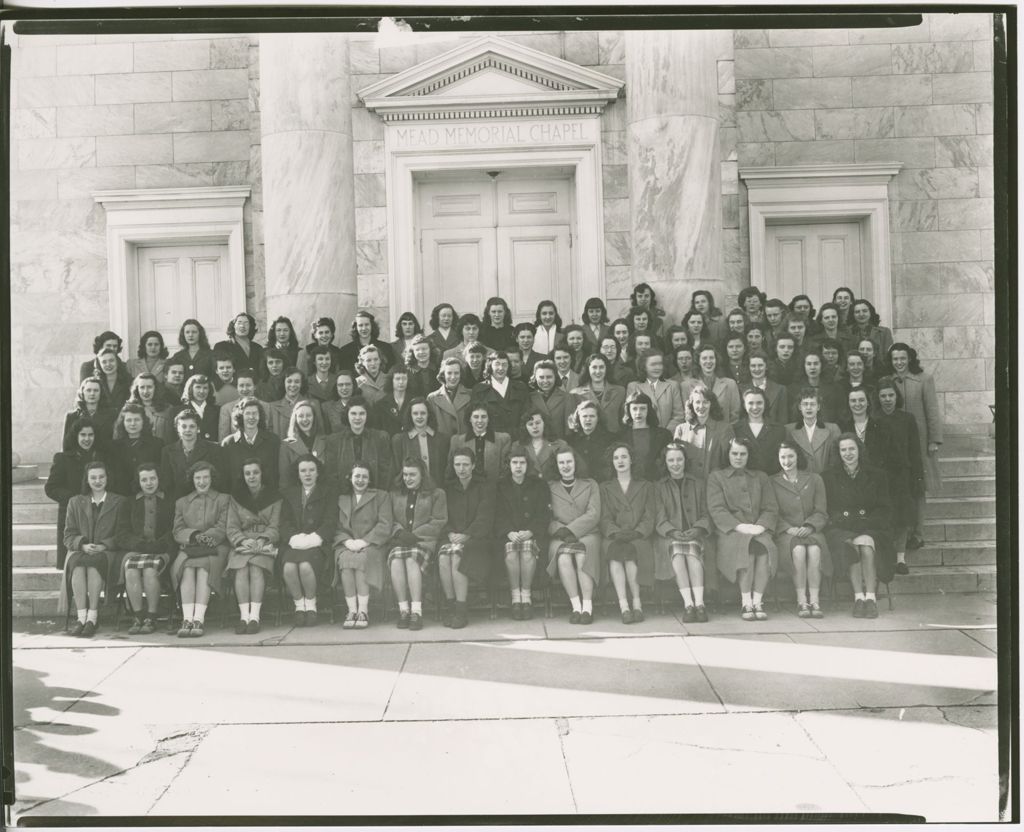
(198,550)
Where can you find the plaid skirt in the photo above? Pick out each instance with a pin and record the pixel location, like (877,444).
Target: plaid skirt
(686,548)
(417,553)
(134,560)
(523,547)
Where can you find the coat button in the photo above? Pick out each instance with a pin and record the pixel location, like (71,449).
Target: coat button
(862,512)
(846,514)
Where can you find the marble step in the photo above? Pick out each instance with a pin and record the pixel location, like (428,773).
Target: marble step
(927,580)
(38,578)
(967,466)
(29,492)
(960,507)
(24,473)
(43,554)
(963,529)
(30,513)
(32,603)
(968,486)
(35,533)
(956,553)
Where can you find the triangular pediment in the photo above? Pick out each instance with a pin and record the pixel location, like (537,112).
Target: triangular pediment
(490,77)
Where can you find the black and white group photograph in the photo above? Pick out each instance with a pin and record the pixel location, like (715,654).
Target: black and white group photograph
(530,419)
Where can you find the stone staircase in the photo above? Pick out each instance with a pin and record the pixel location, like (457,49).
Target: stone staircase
(959,553)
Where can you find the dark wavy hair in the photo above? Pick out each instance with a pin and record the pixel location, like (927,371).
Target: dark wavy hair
(887,383)
(467,319)
(636,471)
(307,458)
(204,342)
(407,416)
(645,287)
(253,326)
(496,301)
(492,356)
(435,313)
(636,397)
(579,464)
(861,449)
(407,316)
(319,322)
(69,442)
(239,407)
(801,457)
(293,338)
(94,465)
(595,303)
(705,333)
(135,398)
(303,386)
(585,372)
(913,364)
(132,407)
(713,310)
(874,320)
(426,481)
(541,305)
(353,332)
(810,312)
(108,335)
(152,333)
(750,292)
(526,416)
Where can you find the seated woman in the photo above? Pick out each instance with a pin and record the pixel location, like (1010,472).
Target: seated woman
(67,473)
(704,434)
(371,378)
(250,438)
(90,537)
(574,553)
(764,436)
(423,362)
(643,434)
(89,404)
(522,512)
(815,437)
(803,514)
(490,448)
(725,389)
(133,445)
(177,458)
(309,516)
(253,530)
(365,525)
(596,386)
(420,438)
(684,530)
(322,383)
(105,340)
(148,393)
(664,395)
(196,397)
(590,440)
(152,356)
(295,390)
(305,437)
(535,437)
(200,530)
(466,539)
(388,414)
(627,522)
(449,404)
(505,397)
(195,352)
(335,412)
(860,520)
(147,542)
(115,383)
(420,511)
(742,505)
(359,442)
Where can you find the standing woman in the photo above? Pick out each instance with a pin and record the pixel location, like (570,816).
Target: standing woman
(553,402)
(358,442)
(420,511)
(803,515)
(644,435)
(249,440)
(295,390)
(902,466)
(872,434)
(860,522)
(388,413)
(830,393)
(547,328)
(828,327)
(305,437)
(335,412)
(490,448)
(574,553)
(105,340)
(535,436)
(596,386)
(146,394)
(67,473)
(496,330)
(705,434)
(590,440)
(726,390)
(450,403)
(133,445)
(684,530)
(365,525)
(322,383)
(89,405)
(703,302)
(468,328)
(854,377)
(697,328)
(115,383)
(505,397)
(868,354)
(253,530)
(814,436)
(196,397)
(619,372)
(309,516)
(152,355)
(573,338)
(244,351)
(775,395)
(843,299)
(371,378)
(420,438)
(321,331)
(177,459)
(147,543)
(742,505)
(751,300)
(466,539)
(270,388)
(664,394)
(522,512)
(764,437)
(282,337)
(627,522)
(443,333)
(94,517)
(407,328)
(865,323)
(735,366)
(919,399)
(422,361)
(595,324)
(200,530)
(195,352)
(682,371)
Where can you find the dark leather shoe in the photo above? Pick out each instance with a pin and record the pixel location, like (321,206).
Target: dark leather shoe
(526,610)
(252,628)
(574,617)
(902,569)
(447,613)
(241,627)
(89,630)
(914,542)
(689,615)
(702,614)
(299,618)
(415,621)
(638,616)
(627,617)
(76,629)
(148,626)
(310,618)
(586,617)
(517,611)
(403,621)
(136,627)
(870,609)
(858,608)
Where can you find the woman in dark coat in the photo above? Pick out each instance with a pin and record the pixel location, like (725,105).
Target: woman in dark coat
(358,442)
(467,538)
(250,439)
(506,398)
(244,351)
(309,516)
(90,537)
(115,383)
(133,445)
(764,437)
(196,396)
(151,357)
(490,448)
(177,458)
(799,534)
(420,438)
(102,341)
(704,434)
(590,440)
(858,419)
(902,465)
(596,386)
(860,523)
(68,471)
(322,331)
(644,435)
(522,513)
(388,414)
(444,333)
(195,353)
(496,330)
(305,435)
(742,505)
(424,363)
(281,337)
(365,332)
(147,542)
(89,404)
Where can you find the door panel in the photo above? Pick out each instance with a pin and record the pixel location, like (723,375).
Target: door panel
(459,266)
(179,282)
(533,202)
(813,259)
(448,204)
(534,265)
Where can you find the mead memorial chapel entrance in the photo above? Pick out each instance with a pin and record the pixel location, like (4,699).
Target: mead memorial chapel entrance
(506,233)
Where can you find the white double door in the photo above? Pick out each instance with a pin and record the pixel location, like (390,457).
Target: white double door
(814,259)
(507,236)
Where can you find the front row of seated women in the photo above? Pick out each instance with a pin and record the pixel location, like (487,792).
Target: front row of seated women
(740,526)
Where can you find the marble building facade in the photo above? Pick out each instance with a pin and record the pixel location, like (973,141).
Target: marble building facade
(682,151)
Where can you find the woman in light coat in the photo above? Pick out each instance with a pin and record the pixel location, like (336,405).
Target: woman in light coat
(449,404)
(814,436)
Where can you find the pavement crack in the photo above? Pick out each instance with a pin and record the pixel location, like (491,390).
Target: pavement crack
(562,726)
(398,676)
(184,744)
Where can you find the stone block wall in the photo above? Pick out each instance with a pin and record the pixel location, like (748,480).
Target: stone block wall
(921,96)
(96,113)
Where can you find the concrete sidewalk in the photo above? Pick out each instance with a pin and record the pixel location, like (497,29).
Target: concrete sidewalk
(788,715)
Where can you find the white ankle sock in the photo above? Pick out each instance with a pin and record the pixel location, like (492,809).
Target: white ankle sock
(576,604)
(801,596)
(363,603)
(254,610)
(698,596)
(188,612)
(815,595)
(300,604)
(417,607)
(243,612)
(527,597)
(624,605)
(517,596)
(901,557)
(859,596)
(93,616)
(588,606)
(687,596)
(758,597)
(200,614)
(350,602)
(403,606)
(869,596)
(83,616)
(746,600)
(311,604)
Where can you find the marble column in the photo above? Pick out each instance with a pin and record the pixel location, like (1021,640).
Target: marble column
(308,198)
(675,175)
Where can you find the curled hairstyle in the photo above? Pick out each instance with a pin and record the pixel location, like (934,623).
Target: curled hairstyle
(134,396)
(80,395)
(825,307)
(705,333)
(635,470)
(410,358)
(541,305)
(643,287)
(141,351)
(70,439)
(435,315)
(307,458)
(494,355)
(426,484)
(319,322)
(253,326)
(347,481)
(407,424)
(132,407)
(801,457)
(370,349)
(636,397)
(186,415)
(288,372)
(595,303)
(497,301)
(750,292)
(574,417)
(201,465)
(95,465)
(585,373)
(293,422)
(713,311)
(445,364)
(795,298)
(204,342)
(525,418)
(468,319)
(545,364)
(293,338)
(237,421)
(714,409)
(888,383)
(874,320)
(186,391)
(578,464)
(108,335)
(408,316)
(913,364)
(861,450)
(353,332)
